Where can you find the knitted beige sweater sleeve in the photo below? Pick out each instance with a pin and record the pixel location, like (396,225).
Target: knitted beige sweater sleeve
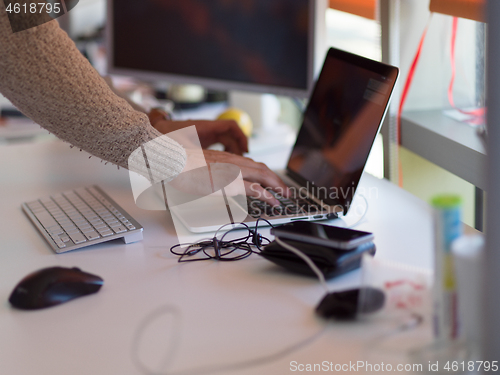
(45,76)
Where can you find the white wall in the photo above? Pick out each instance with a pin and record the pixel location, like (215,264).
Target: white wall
(432,77)
(87,16)
(4,101)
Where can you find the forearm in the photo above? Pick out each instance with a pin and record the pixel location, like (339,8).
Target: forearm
(117,92)
(47,78)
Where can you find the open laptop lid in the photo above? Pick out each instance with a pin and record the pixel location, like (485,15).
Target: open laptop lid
(342,119)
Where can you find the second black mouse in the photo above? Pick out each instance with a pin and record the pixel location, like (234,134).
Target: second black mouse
(52,286)
(345,305)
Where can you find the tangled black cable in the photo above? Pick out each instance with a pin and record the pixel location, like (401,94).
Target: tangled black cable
(220,249)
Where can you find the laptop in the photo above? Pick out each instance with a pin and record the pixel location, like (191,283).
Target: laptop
(341,121)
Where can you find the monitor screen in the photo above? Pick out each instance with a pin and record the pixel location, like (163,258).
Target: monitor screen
(340,124)
(255,45)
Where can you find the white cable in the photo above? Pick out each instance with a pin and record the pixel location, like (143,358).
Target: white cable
(249,363)
(356,223)
(217,369)
(174,342)
(306,259)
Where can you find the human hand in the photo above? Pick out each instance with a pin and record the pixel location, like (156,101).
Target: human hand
(226,132)
(195,179)
(206,172)
(256,176)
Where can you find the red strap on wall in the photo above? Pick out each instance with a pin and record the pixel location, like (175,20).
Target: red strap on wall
(406,89)
(409,79)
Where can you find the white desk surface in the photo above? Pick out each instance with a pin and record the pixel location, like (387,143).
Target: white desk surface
(231,312)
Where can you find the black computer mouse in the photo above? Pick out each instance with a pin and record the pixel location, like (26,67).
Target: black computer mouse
(345,305)
(53,286)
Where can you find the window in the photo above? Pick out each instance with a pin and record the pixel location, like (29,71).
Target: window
(434,125)
(440,153)
(353,33)
(360,35)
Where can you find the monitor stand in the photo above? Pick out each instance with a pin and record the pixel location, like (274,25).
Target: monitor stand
(264,109)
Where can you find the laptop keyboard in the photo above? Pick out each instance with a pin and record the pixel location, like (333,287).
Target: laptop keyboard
(81,217)
(288,206)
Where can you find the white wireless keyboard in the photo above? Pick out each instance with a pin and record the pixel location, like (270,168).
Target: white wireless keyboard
(81,217)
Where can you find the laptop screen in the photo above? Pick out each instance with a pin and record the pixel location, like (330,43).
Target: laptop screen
(340,123)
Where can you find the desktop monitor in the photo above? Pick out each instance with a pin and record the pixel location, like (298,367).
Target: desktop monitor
(264,46)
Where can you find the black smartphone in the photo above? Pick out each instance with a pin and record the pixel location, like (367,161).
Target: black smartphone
(320,234)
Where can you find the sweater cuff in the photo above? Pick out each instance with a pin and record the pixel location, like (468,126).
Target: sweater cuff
(160,159)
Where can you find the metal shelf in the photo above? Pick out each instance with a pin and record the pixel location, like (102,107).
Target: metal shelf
(450,144)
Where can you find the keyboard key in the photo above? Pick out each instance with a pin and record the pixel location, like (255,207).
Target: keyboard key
(54,236)
(92,235)
(77,238)
(55,226)
(55,231)
(60,244)
(46,219)
(105,233)
(288,206)
(119,229)
(280,210)
(293,210)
